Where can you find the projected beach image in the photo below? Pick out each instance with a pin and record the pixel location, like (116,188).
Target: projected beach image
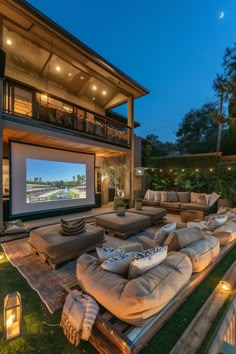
(53,181)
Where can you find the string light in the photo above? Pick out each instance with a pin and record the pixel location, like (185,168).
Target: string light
(211,169)
(190,169)
(197,170)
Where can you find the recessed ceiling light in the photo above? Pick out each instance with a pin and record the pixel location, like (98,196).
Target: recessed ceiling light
(69,74)
(94,87)
(9,41)
(104,92)
(44,97)
(93,98)
(81,77)
(58,68)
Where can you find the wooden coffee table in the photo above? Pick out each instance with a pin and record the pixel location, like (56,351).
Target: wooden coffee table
(191,215)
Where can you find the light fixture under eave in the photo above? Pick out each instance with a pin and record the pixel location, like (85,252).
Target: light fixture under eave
(58,68)
(225,286)
(94,87)
(104,92)
(9,41)
(81,77)
(69,74)
(93,98)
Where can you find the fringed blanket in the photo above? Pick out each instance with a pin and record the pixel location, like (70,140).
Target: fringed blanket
(78,316)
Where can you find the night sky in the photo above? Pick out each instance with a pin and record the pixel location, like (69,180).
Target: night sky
(173,48)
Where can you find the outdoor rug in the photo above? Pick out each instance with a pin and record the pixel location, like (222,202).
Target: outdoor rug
(48,283)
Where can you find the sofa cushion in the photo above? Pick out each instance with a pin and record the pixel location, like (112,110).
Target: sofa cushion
(193,206)
(146,260)
(202,252)
(182,237)
(164,196)
(169,205)
(150,202)
(149,195)
(184,197)
(104,253)
(134,301)
(157,197)
(172,196)
(194,197)
(228,227)
(202,199)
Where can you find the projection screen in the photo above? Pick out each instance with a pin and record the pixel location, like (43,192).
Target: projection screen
(46,179)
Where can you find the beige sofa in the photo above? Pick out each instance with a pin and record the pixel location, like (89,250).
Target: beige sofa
(134,301)
(200,247)
(172,200)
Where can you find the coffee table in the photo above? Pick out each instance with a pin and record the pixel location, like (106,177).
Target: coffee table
(123,226)
(155,214)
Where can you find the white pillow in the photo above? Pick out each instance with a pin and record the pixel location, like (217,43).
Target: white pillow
(119,264)
(220,219)
(146,195)
(169,227)
(213,198)
(109,252)
(146,261)
(149,195)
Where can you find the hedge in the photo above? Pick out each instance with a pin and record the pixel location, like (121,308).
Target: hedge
(190,161)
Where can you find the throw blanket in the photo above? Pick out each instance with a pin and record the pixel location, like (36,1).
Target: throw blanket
(78,316)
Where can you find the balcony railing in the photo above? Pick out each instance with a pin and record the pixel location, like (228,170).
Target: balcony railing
(23,102)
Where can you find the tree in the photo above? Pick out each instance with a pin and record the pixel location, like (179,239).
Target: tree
(197,132)
(154,147)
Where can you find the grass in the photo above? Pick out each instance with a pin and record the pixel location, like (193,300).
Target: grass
(40,337)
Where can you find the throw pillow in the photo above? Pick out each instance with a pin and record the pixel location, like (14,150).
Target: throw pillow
(172,242)
(73,227)
(13,227)
(119,264)
(223,210)
(151,195)
(157,196)
(172,197)
(170,227)
(160,236)
(146,195)
(146,261)
(220,219)
(109,252)
(213,199)
(164,196)
(194,196)
(184,197)
(202,199)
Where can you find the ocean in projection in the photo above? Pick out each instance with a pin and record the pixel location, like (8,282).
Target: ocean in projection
(48,181)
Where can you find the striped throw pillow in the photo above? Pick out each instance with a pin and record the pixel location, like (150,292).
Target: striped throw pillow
(73,227)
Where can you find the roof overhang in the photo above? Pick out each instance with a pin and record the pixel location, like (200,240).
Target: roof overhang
(40,46)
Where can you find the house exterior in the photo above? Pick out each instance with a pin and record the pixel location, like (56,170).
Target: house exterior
(56,92)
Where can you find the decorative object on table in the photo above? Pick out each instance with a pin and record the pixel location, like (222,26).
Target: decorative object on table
(138,204)
(120,208)
(12,315)
(78,316)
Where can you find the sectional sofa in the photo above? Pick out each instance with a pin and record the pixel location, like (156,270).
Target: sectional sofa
(172,200)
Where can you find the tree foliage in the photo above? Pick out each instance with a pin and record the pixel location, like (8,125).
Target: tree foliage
(197,132)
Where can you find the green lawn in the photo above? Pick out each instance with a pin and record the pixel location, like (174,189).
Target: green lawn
(40,338)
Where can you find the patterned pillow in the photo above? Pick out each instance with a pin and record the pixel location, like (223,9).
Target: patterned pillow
(73,227)
(119,264)
(109,252)
(216,221)
(146,260)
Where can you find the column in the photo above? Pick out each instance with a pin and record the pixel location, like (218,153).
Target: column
(131,155)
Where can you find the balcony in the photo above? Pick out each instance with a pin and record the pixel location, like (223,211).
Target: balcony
(28,104)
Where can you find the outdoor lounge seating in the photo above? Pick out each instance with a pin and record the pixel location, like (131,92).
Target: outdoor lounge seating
(200,247)
(123,226)
(54,248)
(134,301)
(172,200)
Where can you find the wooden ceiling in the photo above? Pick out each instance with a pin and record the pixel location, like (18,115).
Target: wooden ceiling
(49,141)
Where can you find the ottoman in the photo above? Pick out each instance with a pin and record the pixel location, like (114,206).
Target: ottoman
(54,248)
(123,226)
(155,214)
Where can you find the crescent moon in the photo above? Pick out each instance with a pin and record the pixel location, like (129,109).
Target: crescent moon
(221,15)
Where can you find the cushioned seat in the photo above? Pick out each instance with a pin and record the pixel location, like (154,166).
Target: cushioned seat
(155,214)
(200,247)
(194,206)
(167,205)
(57,248)
(134,301)
(229,227)
(123,226)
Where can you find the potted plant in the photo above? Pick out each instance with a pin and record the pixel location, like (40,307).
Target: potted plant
(120,208)
(138,204)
